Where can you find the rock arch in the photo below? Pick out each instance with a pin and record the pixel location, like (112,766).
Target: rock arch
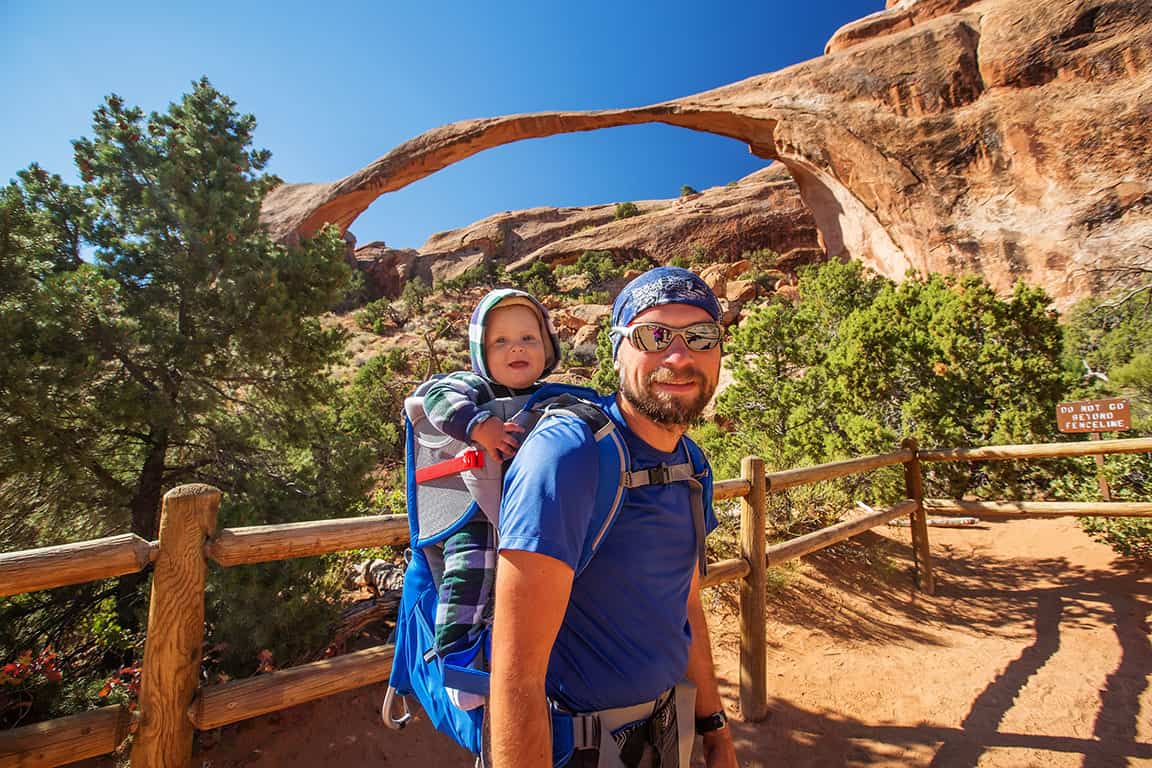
(967,141)
(845,222)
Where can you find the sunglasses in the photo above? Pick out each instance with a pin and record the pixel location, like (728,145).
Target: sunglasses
(655,337)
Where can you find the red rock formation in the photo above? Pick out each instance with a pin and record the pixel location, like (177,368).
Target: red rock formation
(385,269)
(763,210)
(1006,137)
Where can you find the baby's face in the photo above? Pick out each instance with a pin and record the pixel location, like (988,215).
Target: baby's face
(513,346)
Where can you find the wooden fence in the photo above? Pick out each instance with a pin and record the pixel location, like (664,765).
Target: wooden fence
(172,704)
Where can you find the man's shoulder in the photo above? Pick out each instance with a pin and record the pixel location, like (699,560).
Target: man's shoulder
(557,432)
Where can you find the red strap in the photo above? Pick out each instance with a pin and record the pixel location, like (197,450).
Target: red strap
(470,459)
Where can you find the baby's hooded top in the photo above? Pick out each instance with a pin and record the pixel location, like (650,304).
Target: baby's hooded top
(451,403)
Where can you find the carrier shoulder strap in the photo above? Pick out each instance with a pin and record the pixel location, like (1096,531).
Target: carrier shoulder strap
(614,461)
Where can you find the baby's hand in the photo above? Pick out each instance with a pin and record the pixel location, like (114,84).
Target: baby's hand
(496,437)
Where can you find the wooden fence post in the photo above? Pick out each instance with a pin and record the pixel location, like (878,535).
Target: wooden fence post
(914,488)
(753,593)
(171,666)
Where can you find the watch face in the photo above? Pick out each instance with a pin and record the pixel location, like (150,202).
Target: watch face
(712,722)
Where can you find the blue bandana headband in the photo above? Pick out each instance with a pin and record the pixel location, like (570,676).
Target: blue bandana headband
(662,285)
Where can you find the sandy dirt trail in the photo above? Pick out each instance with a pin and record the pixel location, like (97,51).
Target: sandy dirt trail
(1033,652)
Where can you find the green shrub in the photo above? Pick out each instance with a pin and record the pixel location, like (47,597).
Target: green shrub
(484,274)
(538,280)
(1129,478)
(374,400)
(378,317)
(761,258)
(413,295)
(626,210)
(859,362)
(686,190)
(639,264)
(1131,537)
(598,265)
(766,279)
(605,379)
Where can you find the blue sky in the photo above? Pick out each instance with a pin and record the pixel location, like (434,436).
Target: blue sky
(333,92)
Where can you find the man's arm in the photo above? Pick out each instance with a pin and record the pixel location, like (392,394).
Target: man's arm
(719,751)
(532,593)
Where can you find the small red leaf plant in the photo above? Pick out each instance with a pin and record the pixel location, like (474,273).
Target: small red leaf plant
(23,679)
(123,686)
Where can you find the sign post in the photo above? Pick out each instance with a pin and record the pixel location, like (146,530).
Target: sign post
(1094,417)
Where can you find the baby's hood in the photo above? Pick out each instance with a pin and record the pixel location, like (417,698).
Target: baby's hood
(506,296)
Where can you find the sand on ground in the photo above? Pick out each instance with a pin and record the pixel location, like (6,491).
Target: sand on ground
(1034,651)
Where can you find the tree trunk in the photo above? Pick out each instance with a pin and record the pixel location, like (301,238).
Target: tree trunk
(145,505)
(149,494)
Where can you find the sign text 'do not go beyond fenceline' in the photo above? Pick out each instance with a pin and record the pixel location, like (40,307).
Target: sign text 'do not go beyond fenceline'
(1110,415)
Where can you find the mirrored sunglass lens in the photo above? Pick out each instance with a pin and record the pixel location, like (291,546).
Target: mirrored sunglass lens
(642,338)
(661,336)
(703,336)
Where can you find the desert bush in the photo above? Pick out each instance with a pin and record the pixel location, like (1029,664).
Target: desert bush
(761,258)
(538,279)
(1113,335)
(486,274)
(859,362)
(639,264)
(378,316)
(412,297)
(599,266)
(626,210)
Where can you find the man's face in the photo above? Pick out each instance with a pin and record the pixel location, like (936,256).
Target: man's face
(513,346)
(672,386)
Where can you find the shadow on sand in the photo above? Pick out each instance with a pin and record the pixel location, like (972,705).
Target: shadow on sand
(1034,600)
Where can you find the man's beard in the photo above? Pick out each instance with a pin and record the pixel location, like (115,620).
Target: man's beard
(664,408)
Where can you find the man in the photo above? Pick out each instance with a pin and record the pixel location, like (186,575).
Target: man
(631,626)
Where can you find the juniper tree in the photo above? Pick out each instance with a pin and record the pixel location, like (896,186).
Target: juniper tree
(152,334)
(860,362)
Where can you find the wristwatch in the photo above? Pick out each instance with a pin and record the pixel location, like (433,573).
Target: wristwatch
(712,722)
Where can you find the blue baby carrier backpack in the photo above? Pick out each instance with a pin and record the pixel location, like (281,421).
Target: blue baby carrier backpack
(446,482)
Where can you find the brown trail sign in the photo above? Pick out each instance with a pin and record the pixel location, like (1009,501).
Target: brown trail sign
(1111,415)
(1095,416)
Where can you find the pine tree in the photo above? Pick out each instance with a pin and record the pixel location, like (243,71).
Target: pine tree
(151,334)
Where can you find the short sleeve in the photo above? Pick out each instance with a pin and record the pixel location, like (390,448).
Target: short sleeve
(549,490)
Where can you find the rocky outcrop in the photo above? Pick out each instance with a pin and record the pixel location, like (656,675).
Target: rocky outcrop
(385,269)
(898,16)
(1005,137)
(762,210)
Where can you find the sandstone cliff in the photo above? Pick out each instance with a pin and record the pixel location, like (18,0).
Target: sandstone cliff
(1005,137)
(762,210)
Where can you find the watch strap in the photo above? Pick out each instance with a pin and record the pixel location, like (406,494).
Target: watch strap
(712,722)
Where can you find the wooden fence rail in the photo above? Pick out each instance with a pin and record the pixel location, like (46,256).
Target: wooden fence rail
(779,554)
(232,702)
(1045,451)
(65,739)
(32,570)
(790,478)
(171,704)
(1010,509)
(263,543)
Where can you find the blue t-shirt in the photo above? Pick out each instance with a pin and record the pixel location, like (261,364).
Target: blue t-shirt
(625,635)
